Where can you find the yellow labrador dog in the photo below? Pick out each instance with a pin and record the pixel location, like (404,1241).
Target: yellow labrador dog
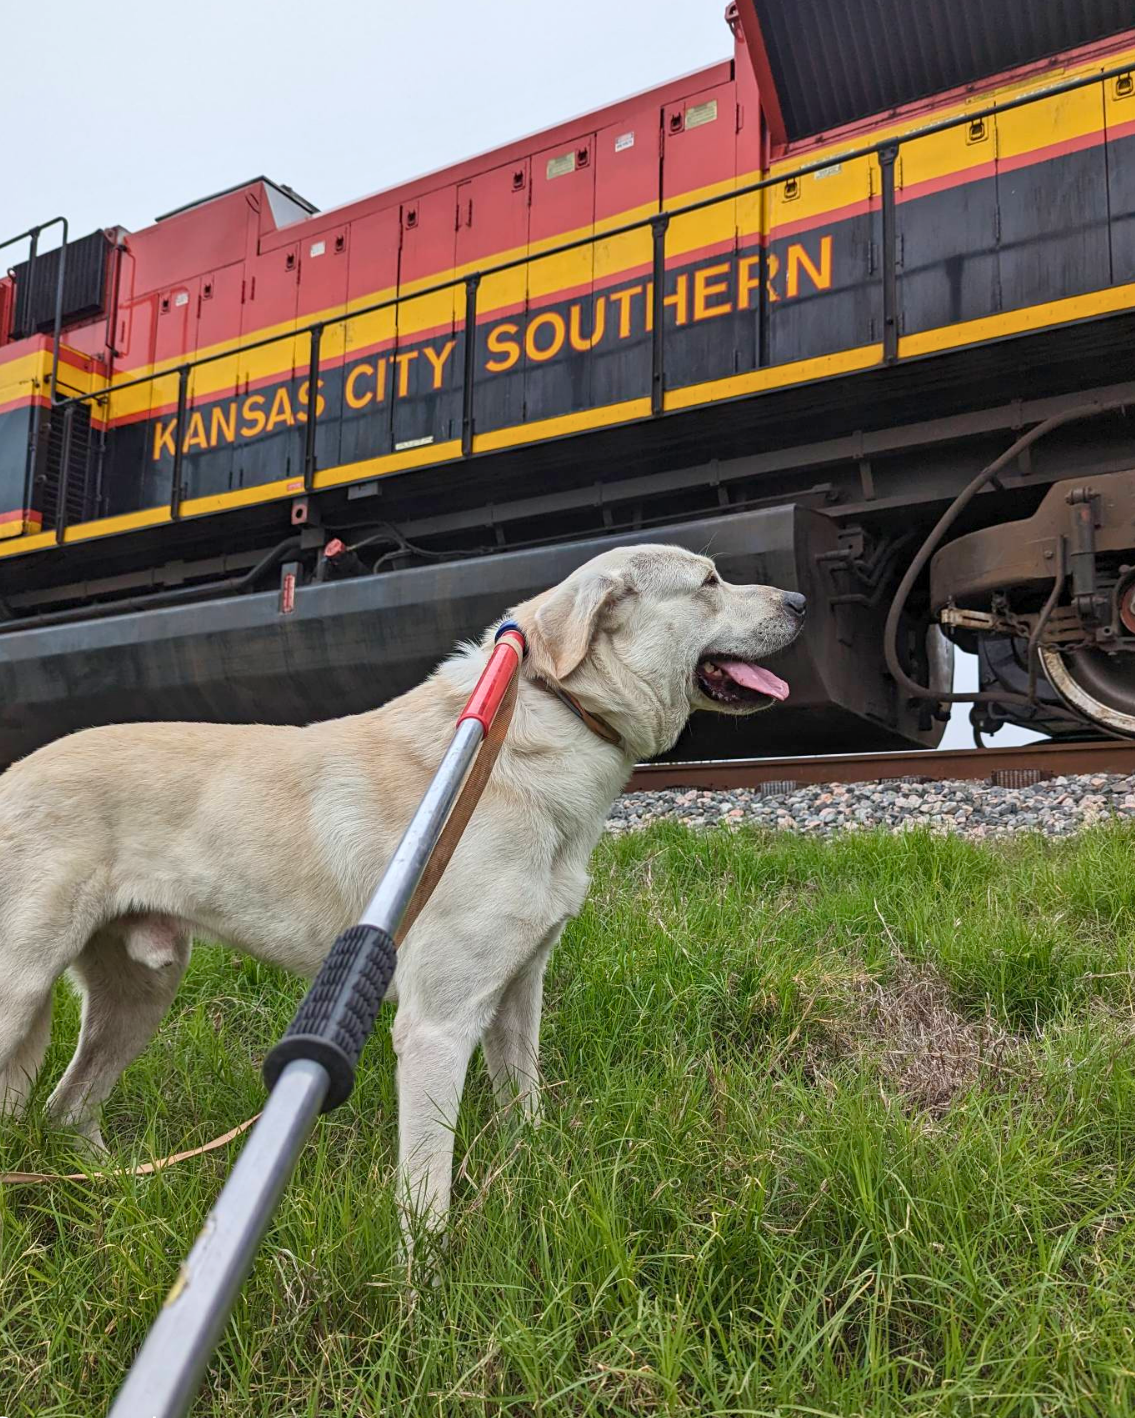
(119,845)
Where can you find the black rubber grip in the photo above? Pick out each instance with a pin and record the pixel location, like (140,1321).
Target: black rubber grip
(336,1016)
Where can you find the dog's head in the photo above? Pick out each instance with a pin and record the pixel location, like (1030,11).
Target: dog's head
(644,635)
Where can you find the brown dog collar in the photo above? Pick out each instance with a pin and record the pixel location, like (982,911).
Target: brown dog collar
(599,727)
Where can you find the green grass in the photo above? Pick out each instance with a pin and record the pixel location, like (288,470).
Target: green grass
(739,1202)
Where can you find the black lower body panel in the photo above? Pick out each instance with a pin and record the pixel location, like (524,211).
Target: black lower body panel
(349,646)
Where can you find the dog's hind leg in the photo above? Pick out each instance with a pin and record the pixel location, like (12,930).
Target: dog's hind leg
(25,1026)
(40,939)
(128,975)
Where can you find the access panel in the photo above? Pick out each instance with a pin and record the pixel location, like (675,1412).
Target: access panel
(366,428)
(1119,111)
(710,332)
(429,351)
(823,288)
(175,343)
(324,271)
(946,225)
(561,327)
(627,189)
(492,230)
(213,387)
(270,441)
(1052,195)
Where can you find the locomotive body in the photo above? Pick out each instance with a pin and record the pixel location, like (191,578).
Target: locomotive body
(262,462)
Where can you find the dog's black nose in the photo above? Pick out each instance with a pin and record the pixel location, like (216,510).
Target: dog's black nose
(795,602)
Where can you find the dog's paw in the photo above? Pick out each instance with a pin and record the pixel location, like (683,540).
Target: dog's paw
(87,1140)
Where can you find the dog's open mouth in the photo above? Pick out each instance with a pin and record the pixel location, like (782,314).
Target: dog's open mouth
(738,683)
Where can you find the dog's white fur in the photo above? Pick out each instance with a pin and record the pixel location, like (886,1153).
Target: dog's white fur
(119,845)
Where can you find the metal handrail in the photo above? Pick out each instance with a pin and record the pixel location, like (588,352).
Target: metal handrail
(33,234)
(886,150)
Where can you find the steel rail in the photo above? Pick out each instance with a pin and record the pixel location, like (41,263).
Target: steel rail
(1006,767)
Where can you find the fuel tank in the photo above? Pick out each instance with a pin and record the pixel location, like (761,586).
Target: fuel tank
(348,646)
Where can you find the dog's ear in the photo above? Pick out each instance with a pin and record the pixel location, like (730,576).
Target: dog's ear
(566,618)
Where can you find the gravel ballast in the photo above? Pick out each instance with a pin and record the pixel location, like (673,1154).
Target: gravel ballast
(1057,807)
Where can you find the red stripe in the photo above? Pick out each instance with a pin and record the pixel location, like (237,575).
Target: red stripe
(26,401)
(911,191)
(1121,130)
(1053,150)
(839,214)
(715,248)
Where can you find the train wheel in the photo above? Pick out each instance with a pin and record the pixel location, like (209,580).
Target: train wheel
(1098,685)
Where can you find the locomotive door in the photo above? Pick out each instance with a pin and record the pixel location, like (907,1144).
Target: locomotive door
(174,344)
(427,362)
(627,187)
(213,406)
(1054,212)
(324,267)
(1119,115)
(946,229)
(269,441)
(365,429)
(823,284)
(492,228)
(132,448)
(562,327)
(707,335)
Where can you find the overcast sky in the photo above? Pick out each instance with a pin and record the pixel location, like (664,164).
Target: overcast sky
(112,115)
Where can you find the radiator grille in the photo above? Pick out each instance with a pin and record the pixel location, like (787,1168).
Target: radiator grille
(84,282)
(80,493)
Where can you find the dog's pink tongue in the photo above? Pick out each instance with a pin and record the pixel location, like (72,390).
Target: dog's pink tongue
(754,677)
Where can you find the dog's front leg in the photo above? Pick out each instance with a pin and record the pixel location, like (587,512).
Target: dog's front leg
(432,1061)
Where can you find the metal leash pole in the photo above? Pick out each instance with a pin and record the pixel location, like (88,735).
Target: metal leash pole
(311,1070)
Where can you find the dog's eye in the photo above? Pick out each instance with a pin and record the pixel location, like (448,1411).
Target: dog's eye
(712,579)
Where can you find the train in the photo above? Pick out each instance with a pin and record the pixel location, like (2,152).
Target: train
(852,310)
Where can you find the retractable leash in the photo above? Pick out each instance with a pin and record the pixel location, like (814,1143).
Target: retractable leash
(312,1069)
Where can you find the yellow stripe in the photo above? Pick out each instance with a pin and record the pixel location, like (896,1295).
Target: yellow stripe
(107,526)
(21,376)
(241,497)
(1018,322)
(27,544)
(564,423)
(389,463)
(800,371)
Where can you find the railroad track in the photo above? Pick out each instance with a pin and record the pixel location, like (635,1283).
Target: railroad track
(1018,767)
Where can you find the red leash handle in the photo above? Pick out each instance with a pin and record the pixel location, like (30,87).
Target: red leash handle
(504,662)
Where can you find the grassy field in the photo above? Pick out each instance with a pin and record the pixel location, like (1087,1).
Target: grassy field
(832,1128)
